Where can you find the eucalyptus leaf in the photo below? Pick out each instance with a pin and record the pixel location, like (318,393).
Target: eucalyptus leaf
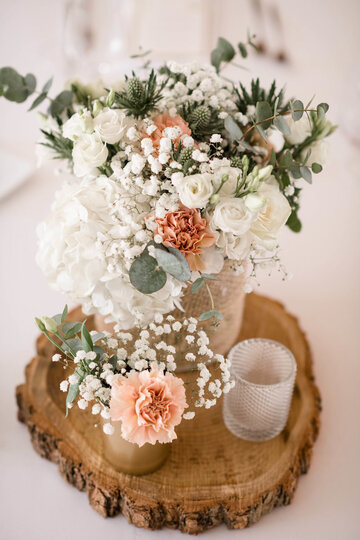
(261,132)
(293,222)
(198,283)
(86,338)
(297,111)
(306,174)
(174,263)
(113,361)
(61,102)
(242,49)
(64,313)
(96,337)
(47,86)
(73,345)
(30,82)
(215,59)
(281,124)
(37,101)
(13,85)
(286,159)
(272,160)
(72,394)
(262,112)
(227,51)
(71,328)
(210,277)
(145,274)
(295,172)
(210,314)
(232,127)
(57,318)
(316,168)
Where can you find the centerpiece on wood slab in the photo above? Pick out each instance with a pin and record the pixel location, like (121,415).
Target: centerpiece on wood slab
(181,183)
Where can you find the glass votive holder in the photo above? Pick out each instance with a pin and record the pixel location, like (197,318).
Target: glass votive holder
(257,408)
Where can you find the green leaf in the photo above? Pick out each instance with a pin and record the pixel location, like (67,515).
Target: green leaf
(227,51)
(57,318)
(242,50)
(322,109)
(210,277)
(211,313)
(61,102)
(286,159)
(232,127)
(272,160)
(262,112)
(64,314)
(72,394)
(306,174)
(198,283)
(316,168)
(30,82)
(215,59)
(261,132)
(86,338)
(295,172)
(73,345)
(96,337)
(145,274)
(47,86)
(71,328)
(281,124)
(113,361)
(12,85)
(297,110)
(37,101)
(174,263)
(294,222)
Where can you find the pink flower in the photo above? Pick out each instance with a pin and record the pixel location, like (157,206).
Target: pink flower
(149,404)
(163,121)
(188,232)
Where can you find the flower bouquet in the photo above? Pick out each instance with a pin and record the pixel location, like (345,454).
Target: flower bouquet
(181,183)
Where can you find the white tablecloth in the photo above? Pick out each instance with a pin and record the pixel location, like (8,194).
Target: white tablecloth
(36,503)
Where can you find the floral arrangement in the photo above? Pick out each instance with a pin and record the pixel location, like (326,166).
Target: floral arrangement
(133,381)
(175,171)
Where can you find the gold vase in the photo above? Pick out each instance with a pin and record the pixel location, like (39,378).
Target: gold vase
(130,458)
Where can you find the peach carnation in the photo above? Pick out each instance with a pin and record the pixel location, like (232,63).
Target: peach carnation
(149,404)
(163,121)
(188,232)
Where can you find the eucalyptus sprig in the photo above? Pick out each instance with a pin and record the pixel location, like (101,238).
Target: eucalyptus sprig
(140,97)
(69,338)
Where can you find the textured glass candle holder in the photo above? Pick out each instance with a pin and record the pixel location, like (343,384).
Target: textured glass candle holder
(256,409)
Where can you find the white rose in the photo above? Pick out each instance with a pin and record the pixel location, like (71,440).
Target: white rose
(88,153)
(195,190)
(230,185)
(232,215)
(319,152)
(272,217)
(235,247)
(298,130)
(111,125)
(77,125)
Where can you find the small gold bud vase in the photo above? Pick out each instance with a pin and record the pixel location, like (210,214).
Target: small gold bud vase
(130,458)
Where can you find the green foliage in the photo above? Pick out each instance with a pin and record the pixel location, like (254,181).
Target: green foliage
(60,103)
(173,262)
(203,121)
(61,147)
(232,127)
(224,52)
(281,124)
(210,314)
(263,112)
(199,282)
(316,168)
(294,222)
(145,274)
(139,98)
(15,87)
(257,93)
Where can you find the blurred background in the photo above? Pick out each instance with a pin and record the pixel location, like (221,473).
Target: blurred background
(311,46)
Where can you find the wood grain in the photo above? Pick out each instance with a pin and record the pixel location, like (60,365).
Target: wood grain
(211,476)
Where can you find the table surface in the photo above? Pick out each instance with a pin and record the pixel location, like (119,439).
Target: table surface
(36,503)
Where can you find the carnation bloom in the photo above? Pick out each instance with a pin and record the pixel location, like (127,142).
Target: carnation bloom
(163,121)
(188,232)
(149,404)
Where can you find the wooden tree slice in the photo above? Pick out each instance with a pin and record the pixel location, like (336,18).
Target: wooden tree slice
(211,476)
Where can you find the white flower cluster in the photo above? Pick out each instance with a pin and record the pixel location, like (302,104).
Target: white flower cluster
(126,354)
(134,170)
